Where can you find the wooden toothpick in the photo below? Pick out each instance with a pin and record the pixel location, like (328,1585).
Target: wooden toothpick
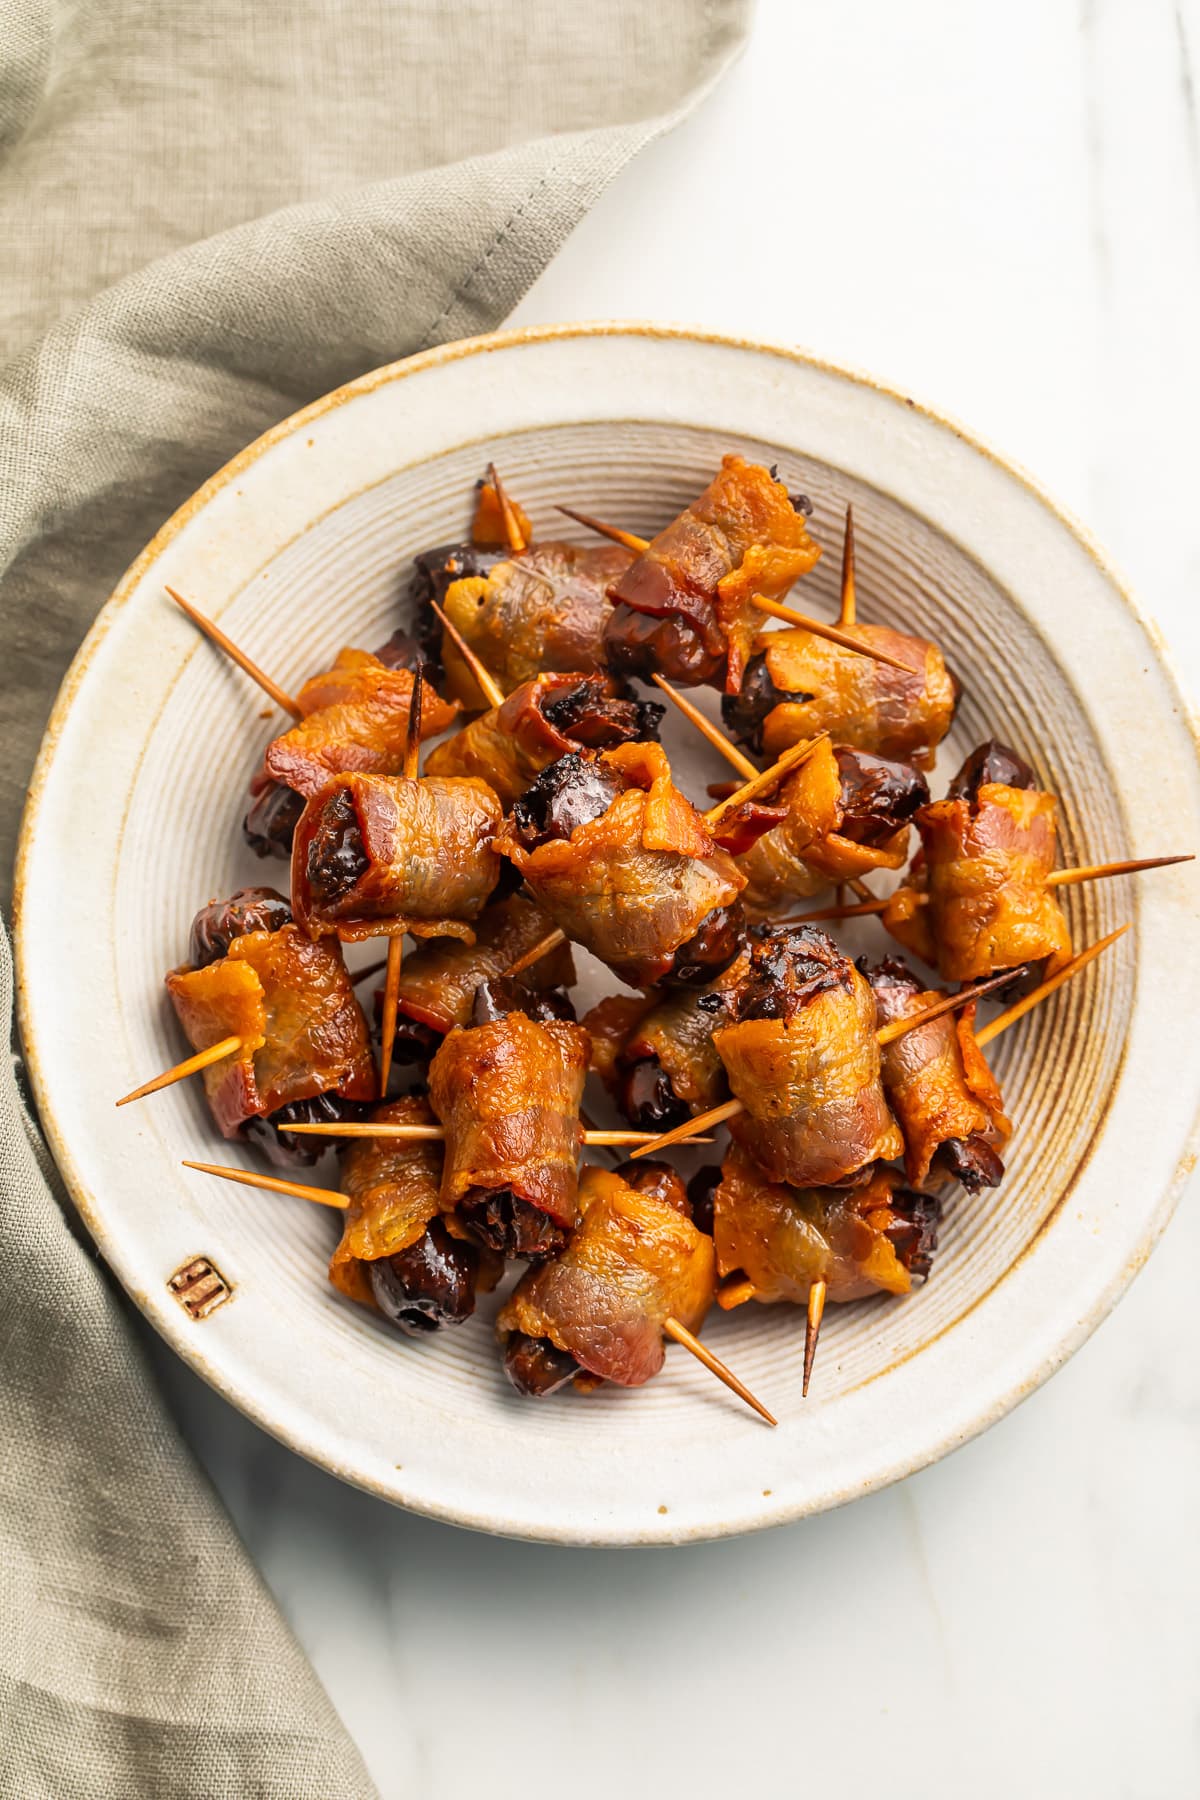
(251,668)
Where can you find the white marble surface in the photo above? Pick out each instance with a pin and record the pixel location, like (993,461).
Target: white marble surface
(999,208)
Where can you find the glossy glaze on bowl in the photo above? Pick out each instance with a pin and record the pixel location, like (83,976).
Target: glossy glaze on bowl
(304,544)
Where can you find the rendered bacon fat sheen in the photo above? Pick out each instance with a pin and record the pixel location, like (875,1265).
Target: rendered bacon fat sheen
(381,855)
(507,1091)
(868,1240)
(508,746)
(803,1059)
(976,900)
(655,1053)
(626,866)
(684,609)
(634,1261)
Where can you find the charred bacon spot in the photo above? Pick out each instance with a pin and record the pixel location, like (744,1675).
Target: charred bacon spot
(645,644)
(711,948)
(270,824)
(990,761)
(596,717)
(504,994)
(659,1180)
(216,925)
(432,1283)
(745,713)
(336,860)
(535,1366)
(788,968)
(701,1191)
(647,1098)
(572,791)
(973,1161)
(285,1149)
(913,1232)
(510,1225)
(878,796)
(801,504)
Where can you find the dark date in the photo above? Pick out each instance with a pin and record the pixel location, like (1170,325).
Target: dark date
(642,644)
(745,713)
(788,968)
(701,1191)
(336,859)
(595,718)
(878,796)
(535,1366)
(509,1225)
(270,824)
(289,1150)
(659,1180)
(711,948)
(973,1161)
(913,1234)
(647,1098)
(216,925)
(573,791)
(430,1284)
(503,994)
(990,761)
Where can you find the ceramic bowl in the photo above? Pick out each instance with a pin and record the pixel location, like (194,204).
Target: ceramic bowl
(301,544)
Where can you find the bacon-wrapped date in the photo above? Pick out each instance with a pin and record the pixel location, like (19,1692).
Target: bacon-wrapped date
(655,1053)
(782,1239)
(797,685)
(939,1087)
(544,610)
(847,815)
(976,900)
(379,855)
(634,1261)
(626,866)
(396,1252)
(354,716)
(508,1093)
(509,745)
(438,982)
(685,608)
(292,1004)
(803,1059)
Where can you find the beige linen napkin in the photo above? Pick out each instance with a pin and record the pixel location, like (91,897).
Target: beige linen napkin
(208,216)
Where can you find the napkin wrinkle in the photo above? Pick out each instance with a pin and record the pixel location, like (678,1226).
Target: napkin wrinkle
(201,235)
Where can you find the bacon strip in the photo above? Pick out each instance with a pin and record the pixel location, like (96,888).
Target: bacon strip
(633,1262)
(856,700)
(395,1190)
(936,1079)
(508,1094)
(292,1003)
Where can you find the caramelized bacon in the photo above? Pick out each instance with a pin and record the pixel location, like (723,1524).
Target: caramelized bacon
(634,1261)
(636,882)
(541,720)
(847,815)
(685,608)
(939,1085)
(782,1239)
(380,855)
(804,1061)
(438,982)
(508,1094)
(976,900)
(302,1030)
(542,611)
(797,685)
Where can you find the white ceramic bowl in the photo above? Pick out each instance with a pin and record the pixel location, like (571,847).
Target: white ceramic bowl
(301,544)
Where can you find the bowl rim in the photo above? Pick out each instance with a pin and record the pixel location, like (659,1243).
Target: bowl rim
(1066,1341)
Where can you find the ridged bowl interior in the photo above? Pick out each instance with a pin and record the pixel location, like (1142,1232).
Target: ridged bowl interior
(433,1423)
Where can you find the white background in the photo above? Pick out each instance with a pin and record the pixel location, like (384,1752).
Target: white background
(998,208)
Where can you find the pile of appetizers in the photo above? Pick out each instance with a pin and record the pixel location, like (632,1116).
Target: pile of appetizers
(545,819)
